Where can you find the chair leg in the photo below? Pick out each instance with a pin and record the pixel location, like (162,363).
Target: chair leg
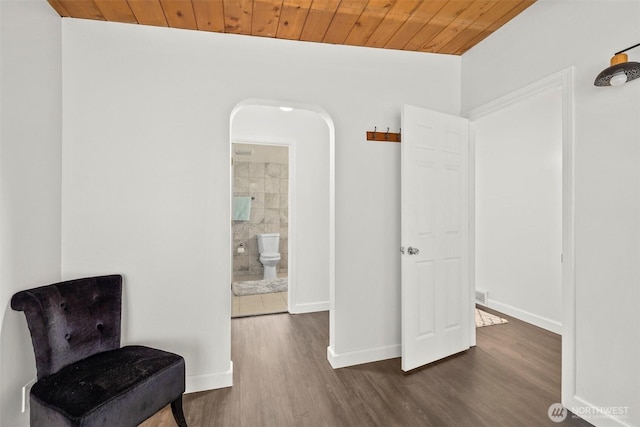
(178,413)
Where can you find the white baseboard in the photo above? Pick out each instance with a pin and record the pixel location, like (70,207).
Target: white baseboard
(210,381)
(309,307)
(351,358)
(525,316)
(594,415)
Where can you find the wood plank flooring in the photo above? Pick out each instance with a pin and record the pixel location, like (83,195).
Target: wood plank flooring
(282,378)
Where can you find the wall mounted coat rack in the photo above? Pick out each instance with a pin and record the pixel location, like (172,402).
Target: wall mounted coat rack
(384,136)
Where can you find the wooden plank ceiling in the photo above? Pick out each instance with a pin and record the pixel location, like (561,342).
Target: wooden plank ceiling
(437,26)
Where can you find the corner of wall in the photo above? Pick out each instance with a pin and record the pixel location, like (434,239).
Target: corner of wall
(211,381)
(359,357)
(30,191)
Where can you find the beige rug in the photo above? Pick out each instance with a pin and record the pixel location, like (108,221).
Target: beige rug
(486,319)
(255,287)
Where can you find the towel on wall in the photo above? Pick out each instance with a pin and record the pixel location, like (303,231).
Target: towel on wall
(241,208)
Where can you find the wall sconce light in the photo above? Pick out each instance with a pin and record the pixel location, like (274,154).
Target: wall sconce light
(620,71)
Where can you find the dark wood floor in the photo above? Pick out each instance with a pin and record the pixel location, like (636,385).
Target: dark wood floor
(282,378)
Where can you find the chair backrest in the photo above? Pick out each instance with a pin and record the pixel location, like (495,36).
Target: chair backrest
(71,320)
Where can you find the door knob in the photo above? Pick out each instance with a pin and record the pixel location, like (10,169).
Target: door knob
(413,251)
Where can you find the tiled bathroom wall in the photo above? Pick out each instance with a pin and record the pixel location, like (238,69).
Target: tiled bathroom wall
(268,184)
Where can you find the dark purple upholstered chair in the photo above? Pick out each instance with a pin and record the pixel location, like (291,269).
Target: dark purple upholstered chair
(84,377)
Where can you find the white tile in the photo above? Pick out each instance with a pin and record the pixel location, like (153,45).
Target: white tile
(241,169)
(284,186)
(256,170)
(257,200)
(240,263)
(251,304)
(240,183)
(257,216)
(272,216)
(272,200)
(272,228)
(272,185)
(284,201)
(274,302)
(272,170)
(240,231)
(256,184)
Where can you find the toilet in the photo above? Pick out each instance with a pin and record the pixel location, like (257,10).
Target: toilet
(268,246)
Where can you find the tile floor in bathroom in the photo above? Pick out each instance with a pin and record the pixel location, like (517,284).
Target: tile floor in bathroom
(254,305)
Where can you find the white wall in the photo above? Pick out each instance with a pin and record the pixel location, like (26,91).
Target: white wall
(585,35)
(519,209)
(308,134)
(30,149)
(146,173)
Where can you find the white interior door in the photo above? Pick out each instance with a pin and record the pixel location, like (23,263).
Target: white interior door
(436,305)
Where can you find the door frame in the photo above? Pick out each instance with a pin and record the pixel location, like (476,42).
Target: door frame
(291,195)
(331,202)
(564,80)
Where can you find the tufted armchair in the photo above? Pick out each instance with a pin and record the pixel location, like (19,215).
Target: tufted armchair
(84,377)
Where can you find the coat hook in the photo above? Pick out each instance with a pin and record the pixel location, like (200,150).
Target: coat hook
(386,135)
(374,132)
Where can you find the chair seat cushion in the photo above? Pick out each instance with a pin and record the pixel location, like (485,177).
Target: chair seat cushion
(98,390)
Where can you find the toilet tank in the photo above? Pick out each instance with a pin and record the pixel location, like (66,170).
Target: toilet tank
(269,242)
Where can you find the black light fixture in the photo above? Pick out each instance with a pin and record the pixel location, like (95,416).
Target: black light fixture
(620,71)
